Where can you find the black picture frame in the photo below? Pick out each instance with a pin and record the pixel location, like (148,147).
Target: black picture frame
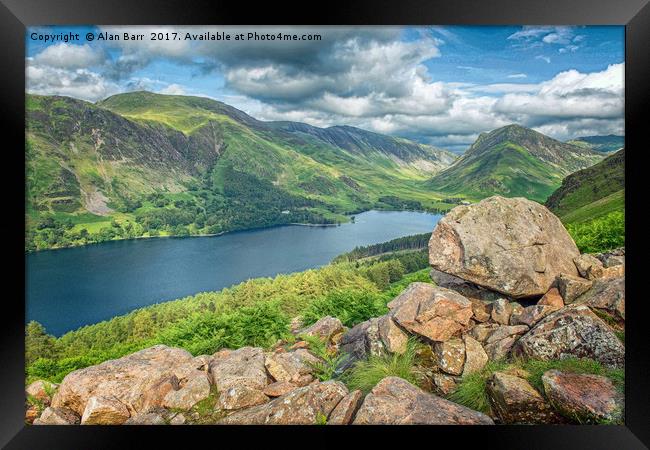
(15,15)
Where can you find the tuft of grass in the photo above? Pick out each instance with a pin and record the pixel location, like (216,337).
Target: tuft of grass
(364,375)
(472,390)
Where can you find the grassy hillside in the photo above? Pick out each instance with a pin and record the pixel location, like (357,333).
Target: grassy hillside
(591,203)
(605,144)
(144,165)
(506,169)
(512,161)
(591,192)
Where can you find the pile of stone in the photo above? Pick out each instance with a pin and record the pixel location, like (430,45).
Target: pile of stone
(509,281)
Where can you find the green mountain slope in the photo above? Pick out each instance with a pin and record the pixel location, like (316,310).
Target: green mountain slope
(512,161)
(605,144)
(143,164)
(591,192)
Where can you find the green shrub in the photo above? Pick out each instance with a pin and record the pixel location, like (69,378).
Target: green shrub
(365,374)
(260,325)
(324,369)
(350,307)
(601,234)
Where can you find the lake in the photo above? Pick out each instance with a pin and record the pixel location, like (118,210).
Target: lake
(69,288)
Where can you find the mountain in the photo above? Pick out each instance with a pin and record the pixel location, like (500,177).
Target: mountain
(591,192)
(512,161)
(605,144)
(144,164)
(361,141)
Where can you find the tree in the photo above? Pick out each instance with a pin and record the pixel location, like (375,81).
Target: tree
(38,344)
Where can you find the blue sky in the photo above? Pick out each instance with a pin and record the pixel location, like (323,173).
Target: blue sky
(439,85)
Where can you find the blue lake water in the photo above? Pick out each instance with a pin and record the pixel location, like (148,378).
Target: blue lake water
(69,288)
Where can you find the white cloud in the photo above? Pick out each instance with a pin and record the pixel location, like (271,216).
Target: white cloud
(78,83)
(546,59)
(69,56)
(367,78)
(173,89)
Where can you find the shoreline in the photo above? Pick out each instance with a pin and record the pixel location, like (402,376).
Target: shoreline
(221,233)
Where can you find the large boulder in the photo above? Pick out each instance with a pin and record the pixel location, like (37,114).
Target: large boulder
(394,401)
(240,377)
(131,380)
(583,398)
(435,313)
(511,245)
(303,406)
(572,332)
(514,400)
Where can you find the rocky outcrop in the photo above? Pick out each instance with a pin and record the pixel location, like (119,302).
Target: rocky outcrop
(583,398)
(510,245)
(515,401)
(396,401)
(572,332)
(131,380)
(458,326)
(303,406)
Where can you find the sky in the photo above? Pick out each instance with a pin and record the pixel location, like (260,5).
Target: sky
(437,85)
